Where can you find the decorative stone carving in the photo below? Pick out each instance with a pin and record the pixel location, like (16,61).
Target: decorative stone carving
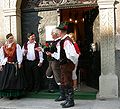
(45,3)
(56,3)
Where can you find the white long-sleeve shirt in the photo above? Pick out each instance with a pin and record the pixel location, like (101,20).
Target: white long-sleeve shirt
(56,55)
(31,52)
(4,59)
(70,50)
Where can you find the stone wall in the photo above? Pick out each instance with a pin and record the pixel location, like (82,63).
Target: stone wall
(36,22)
(1,21)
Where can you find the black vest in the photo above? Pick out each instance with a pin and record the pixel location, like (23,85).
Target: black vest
(63,57)
(53,47)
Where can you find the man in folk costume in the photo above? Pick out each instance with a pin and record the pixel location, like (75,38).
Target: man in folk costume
(33,59)
(11,79)
(54,64)
(68,58)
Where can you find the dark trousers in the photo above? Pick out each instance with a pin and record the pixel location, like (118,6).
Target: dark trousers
(32,74)
(66,74)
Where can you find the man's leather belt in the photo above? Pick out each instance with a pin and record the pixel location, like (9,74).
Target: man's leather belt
(31,60)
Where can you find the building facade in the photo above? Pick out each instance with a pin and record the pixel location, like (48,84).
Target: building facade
(22,16)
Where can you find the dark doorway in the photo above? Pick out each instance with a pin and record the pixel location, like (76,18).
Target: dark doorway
(81,24)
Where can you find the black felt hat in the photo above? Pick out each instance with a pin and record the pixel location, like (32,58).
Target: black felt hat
(63,26)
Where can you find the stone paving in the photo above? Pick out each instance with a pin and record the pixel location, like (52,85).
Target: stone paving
(32,103)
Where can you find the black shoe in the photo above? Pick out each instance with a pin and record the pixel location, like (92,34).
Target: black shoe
(60,98)
(51,91)
(10,98)
(68,104)
(36,92)
(63,103)
(1,97)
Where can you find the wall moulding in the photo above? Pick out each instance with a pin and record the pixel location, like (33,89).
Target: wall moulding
(12,12)
(106,4)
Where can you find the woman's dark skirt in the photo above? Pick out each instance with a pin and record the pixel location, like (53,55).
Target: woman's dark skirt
(12,81)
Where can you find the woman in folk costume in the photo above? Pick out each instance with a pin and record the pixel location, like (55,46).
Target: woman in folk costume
(74,76)
(12,79)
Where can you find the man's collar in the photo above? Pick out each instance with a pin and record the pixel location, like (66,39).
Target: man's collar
(57,38)
(65,36)
(32,42)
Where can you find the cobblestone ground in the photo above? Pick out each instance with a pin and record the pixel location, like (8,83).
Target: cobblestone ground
(30,103)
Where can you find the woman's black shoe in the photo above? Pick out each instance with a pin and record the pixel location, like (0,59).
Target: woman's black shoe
(1,97)
(19,97)
(11,98)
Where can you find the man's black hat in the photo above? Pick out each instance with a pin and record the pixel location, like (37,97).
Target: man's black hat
(63,26)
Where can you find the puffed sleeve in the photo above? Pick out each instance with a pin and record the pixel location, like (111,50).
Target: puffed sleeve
(70,51)
(23,51)
(41,56)
(19,54)
(3,59)
(56,55)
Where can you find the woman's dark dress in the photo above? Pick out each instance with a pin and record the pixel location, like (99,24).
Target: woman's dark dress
(12,82)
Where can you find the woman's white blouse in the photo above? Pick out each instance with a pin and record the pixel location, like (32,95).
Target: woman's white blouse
(4,59)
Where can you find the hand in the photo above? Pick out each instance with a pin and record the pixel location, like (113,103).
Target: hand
(25,51)
(39,64)
(48,53)
(38,49)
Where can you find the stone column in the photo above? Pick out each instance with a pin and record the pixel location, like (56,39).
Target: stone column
(12,23)
(108,80)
